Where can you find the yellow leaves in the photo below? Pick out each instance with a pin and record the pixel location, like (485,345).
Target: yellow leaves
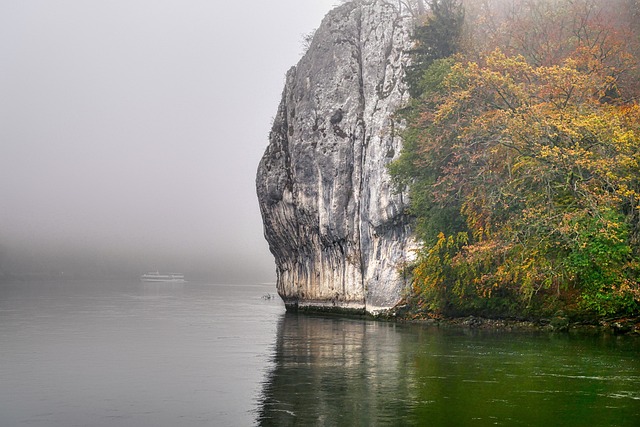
(547,152)
(513,64)
(542,173)
(452,105)
(509,82)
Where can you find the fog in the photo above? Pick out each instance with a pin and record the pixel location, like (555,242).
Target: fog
(131,130)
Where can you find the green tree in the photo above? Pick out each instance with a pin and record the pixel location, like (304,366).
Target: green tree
(437,36)
(524,176)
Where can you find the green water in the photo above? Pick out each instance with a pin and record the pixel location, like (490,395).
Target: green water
(331,371)
(130,354)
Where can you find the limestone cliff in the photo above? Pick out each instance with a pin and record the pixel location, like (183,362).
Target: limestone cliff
(336,228)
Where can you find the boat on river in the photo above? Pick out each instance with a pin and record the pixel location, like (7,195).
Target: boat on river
(163,277)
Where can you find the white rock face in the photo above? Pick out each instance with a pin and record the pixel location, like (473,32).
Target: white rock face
(337,230)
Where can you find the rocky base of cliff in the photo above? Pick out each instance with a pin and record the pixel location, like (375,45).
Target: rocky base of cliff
(325,306)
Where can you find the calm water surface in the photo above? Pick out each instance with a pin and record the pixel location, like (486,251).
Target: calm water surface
(133,354)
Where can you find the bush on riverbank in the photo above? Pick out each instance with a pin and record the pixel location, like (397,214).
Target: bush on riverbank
(523,163)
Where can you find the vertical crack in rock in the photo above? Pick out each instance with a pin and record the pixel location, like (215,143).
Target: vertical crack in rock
(358,145)
(336,229)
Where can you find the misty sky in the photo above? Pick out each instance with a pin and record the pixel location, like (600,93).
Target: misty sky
(133,128)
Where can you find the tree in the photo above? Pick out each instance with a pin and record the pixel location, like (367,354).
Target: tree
(524,173)
(437,36)
(546,178)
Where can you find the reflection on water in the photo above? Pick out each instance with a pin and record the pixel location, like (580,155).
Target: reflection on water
(336,372)
(141,355)
(330,371)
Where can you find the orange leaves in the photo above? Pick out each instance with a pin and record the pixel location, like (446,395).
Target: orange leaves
(536,163)
(533,153)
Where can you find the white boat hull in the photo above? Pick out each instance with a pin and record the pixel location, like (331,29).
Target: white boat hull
(163,278)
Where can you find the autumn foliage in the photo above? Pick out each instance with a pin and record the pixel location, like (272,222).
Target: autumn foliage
(522,159)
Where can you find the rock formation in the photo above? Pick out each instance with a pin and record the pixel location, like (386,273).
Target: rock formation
(337,229)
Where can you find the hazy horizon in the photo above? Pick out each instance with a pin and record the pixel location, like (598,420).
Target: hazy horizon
(131,132)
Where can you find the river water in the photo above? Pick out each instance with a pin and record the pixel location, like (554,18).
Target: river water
(197,354)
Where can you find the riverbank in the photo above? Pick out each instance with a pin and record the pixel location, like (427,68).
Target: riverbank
(621,326)
(405,314)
